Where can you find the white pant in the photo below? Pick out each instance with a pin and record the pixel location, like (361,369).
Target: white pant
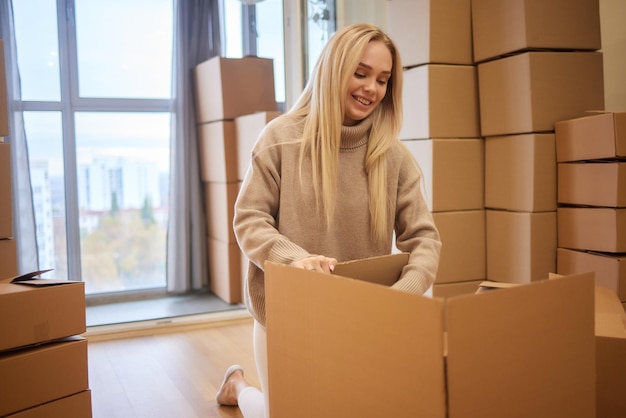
(252,402)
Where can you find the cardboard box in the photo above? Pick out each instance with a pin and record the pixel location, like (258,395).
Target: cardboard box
(40,374)
(75,406)
(595,136)
(4,107)
(248,128)
(610,326)
(463,253)
(219,208)
(230,87)
(8,257)
(447,290)
(521,246)
(430,31)
(440,101)
(6,191)
(595,229)
(453,172)
(40,311)
(217,146)
(225,275)
(609,269)
(529,92)
(598,183)
(520,173)
(504,27)
(341,346)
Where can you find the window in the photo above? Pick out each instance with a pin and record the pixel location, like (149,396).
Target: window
(98,136)
(96,98)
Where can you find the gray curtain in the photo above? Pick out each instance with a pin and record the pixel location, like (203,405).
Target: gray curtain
(23,211)
(198,38)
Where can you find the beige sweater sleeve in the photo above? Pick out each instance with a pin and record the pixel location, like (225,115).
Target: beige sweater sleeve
(415,229)
(257,206)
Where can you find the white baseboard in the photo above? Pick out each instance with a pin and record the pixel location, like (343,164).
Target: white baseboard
(165,325)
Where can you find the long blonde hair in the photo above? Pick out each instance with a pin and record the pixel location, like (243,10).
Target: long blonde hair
(322,105)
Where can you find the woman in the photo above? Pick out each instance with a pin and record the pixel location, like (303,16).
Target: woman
(329,181)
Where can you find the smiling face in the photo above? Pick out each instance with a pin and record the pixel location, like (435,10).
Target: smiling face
(368,85)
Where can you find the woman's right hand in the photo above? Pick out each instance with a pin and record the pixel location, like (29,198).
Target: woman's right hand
(319,263)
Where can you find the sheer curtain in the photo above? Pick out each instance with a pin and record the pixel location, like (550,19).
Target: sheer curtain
(23,225)
(197,39)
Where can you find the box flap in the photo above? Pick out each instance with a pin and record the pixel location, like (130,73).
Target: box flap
(532,346)
(385,270)
(610,317)
(317,326)
(487,285)
(31,279)
(24,277)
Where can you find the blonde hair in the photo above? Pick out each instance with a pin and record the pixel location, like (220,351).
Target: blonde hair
(322,105)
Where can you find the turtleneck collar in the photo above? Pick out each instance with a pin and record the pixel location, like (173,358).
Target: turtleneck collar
(353,137)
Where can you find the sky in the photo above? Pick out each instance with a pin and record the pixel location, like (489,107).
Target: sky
(123,51)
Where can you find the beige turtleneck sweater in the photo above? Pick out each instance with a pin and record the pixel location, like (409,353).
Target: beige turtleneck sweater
(276,219)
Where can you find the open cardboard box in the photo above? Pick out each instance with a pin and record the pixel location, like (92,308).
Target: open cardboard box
(347,345)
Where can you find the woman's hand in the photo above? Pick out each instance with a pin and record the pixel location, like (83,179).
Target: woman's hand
(316,263)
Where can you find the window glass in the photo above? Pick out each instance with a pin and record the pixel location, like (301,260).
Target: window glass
(270,40)
(122,174)
(38,57)
(124,48)
(233,39)
(47,178)
(320,26)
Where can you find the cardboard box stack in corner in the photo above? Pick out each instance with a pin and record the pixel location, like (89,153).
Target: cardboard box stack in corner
(538,63)
(233,95)
(441,129)
(591,151)
(43,358)
(348,345)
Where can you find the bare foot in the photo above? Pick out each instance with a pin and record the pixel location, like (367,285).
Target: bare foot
(232,385)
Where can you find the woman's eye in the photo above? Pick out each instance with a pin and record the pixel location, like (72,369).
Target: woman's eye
(358,75)
(382,82)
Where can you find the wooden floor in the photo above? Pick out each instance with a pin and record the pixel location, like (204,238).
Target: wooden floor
(174,374)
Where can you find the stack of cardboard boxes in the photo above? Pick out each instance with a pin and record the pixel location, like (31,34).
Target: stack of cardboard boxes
(538,63)
(235,98)
(592,198)
(441,129)
(43,360)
